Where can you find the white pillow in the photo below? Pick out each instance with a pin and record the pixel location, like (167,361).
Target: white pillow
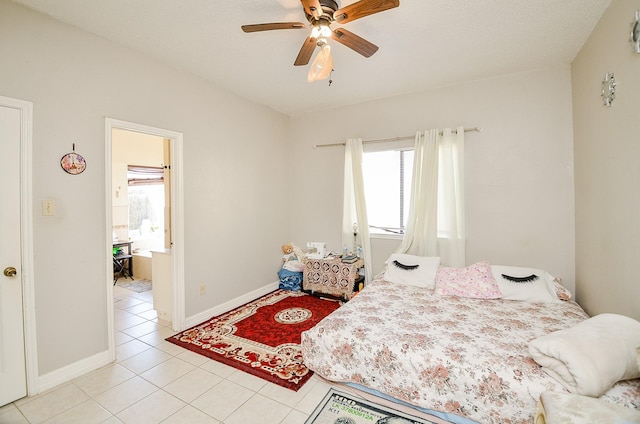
(541,289)
(402,269)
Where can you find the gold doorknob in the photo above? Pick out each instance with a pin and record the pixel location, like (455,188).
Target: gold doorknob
(10,271)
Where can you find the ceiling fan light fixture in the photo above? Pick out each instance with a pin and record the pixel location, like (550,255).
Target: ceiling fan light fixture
(321,30)
(321,14)
(322,65)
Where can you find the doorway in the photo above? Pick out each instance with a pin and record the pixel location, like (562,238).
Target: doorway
(141,206)
(173,221)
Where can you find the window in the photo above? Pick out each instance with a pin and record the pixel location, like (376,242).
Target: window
(146,206)
(387,180)
(387,171)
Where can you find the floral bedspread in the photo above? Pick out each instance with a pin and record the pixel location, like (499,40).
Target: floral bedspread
(463,356)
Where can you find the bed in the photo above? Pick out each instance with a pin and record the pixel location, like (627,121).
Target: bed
(464,359)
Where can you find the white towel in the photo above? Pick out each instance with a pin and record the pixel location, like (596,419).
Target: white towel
(590,357)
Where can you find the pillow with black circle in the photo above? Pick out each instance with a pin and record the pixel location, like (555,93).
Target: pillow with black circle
(403,268)
(526,284)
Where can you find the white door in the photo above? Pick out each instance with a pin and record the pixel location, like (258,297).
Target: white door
(13,380)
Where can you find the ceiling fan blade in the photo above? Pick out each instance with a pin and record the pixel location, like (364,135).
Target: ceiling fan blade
(306,51)
(312,7)
(354,42)
(363,8)
(270,26)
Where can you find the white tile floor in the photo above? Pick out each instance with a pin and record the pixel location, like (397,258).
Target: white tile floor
(154,381)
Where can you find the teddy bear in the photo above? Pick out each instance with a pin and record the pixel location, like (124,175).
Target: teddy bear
(290,274)
(287,249)
(291,260)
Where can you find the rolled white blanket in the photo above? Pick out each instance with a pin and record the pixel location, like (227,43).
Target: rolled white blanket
(565,408)
(593,355)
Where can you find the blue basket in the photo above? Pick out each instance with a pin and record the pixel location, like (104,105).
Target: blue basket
(290,280)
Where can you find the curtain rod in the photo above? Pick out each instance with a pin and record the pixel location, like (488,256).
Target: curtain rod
(381,140)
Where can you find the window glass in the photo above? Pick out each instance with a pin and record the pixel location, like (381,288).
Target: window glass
(387,180)
(146,208)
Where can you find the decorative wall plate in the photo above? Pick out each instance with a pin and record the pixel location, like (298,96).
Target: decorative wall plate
(635,33)
(73,163)
(609,88)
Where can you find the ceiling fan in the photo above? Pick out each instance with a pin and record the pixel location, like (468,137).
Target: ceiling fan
(321,14)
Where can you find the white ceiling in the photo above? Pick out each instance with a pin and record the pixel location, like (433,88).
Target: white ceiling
(423,43)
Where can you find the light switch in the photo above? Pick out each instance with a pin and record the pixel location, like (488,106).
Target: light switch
(48,207)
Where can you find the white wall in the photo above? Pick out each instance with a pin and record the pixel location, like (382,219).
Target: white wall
(519,173)
(607,153)
(235,157)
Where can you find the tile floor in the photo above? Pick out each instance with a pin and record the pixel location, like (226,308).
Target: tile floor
(153,381)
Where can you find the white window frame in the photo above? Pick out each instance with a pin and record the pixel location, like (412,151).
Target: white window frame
(406,146)
(394,145)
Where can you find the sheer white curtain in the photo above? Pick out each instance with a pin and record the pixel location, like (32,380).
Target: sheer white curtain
(354,206)
(421,232)
(435,226)
(451,208)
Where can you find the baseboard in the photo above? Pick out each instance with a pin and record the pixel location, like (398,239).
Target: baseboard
(71,371)
(99,360)
(227,306)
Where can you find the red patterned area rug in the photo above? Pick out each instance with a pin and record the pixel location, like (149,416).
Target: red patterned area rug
(261,337)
